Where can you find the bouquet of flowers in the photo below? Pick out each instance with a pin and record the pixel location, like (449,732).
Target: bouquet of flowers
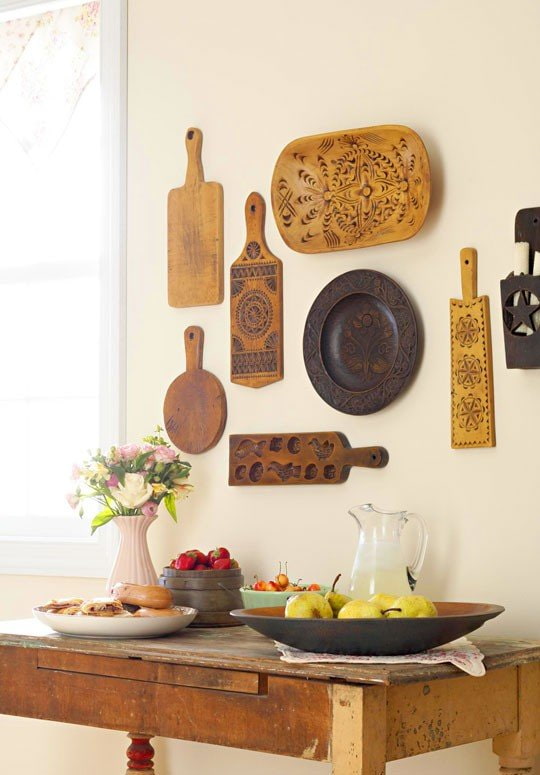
(131,480)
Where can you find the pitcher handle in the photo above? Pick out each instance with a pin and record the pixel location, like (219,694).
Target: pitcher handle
(413,570)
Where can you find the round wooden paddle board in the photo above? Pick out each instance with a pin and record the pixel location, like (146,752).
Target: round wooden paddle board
(195,407)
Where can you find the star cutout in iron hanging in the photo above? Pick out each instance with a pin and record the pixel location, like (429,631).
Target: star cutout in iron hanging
(522,312)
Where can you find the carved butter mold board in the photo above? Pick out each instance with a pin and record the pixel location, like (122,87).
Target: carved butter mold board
(360,342)
(297,458)
(351,189)
(256,306)
(473,413)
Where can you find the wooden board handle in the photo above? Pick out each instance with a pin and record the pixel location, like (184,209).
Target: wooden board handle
(365,457)
(469,274)
(255,217)
(194,172)
(194,341)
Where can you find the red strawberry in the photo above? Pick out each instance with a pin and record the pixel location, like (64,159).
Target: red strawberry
(184,562)
(200,558)
(223,563)
(200,566)
(218,554)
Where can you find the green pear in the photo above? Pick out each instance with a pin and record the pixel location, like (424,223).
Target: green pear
(360,609)
(336,600)
(308,605)
(411,606)
(383,601)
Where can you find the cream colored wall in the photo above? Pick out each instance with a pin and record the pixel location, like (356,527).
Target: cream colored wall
(254,76)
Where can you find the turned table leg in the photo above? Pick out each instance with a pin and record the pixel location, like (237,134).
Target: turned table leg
(358,730)
(140,754)
(516,751)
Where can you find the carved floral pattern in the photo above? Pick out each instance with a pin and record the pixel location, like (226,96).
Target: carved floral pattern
(470,413)
(467,331)
(469,371)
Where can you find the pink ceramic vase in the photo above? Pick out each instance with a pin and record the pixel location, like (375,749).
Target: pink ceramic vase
(132,563)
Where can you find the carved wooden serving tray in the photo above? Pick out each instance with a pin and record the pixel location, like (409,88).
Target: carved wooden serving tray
(360,342)
(256,306)
(351,189)
(297,458)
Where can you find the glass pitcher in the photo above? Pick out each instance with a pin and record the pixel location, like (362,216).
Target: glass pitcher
(379,565)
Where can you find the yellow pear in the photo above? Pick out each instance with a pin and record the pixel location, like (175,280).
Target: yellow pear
(383,601)
(336,600)
(308,605)
(411,606)
(360,609)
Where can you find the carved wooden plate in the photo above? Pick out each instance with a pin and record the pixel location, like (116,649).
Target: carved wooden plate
(351,189)
(360,342)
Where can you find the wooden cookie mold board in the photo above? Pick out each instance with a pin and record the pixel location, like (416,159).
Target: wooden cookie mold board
(256,306)
(473,415)
(297,458)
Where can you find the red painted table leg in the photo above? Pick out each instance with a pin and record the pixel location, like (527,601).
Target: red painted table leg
(140,754)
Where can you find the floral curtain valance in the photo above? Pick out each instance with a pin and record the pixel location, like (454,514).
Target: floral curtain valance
(46,62)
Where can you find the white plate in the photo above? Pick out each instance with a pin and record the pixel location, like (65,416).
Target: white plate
(116,626)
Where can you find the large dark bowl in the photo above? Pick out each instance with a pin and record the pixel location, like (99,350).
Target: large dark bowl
(370,637)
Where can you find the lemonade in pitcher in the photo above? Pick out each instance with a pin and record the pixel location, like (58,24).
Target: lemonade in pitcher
(379,564)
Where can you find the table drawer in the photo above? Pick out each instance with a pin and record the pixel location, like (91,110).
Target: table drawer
(154,672)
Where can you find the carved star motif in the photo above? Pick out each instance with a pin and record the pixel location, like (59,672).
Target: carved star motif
(522,313)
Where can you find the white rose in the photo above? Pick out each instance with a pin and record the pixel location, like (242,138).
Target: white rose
(134,492)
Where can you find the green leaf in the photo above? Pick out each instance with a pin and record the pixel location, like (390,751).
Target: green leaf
(182,474)
(101,519)
(120,473)
(170,504)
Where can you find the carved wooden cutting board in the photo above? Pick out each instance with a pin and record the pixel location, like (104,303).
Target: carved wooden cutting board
(297,458)
(473,414)
(256,306)
(351,189)
(195,407)
(195,235)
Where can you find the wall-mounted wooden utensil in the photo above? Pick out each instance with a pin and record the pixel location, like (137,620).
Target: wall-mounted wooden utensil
(256,306)
(473,414)
(297,458)
(195,235)
(195,408)
(351,189)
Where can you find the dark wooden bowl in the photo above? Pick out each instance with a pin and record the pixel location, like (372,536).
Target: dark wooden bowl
(370,637)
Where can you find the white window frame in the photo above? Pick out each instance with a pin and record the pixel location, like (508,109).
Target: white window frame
(91,556)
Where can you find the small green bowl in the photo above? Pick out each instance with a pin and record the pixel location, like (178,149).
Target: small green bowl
(254,599)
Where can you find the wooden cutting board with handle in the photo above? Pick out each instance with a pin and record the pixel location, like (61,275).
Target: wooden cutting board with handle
(473,414)
(195,408)
(195,234)
(256,306)
(297,458)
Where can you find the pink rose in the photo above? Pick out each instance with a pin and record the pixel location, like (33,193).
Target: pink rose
(112,481)
(129,451)
(164,454)
(149,509)
(76,472)
(73,500)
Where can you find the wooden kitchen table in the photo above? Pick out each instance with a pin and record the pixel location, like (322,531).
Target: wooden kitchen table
(229,687)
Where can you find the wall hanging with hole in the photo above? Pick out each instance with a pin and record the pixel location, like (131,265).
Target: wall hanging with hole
(195,407)
(297,458)
(195,235)
(520,295)
(351,189)
(360,342)
(256,306)
(473,413)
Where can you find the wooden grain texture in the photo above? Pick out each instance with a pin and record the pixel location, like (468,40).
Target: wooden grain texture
(195,407)
(195,235)
(297,458)
(243,649)
(351,189)
(519,749)
(251,721)
(429,716)
(256,306)
(472,399)
(358,730)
